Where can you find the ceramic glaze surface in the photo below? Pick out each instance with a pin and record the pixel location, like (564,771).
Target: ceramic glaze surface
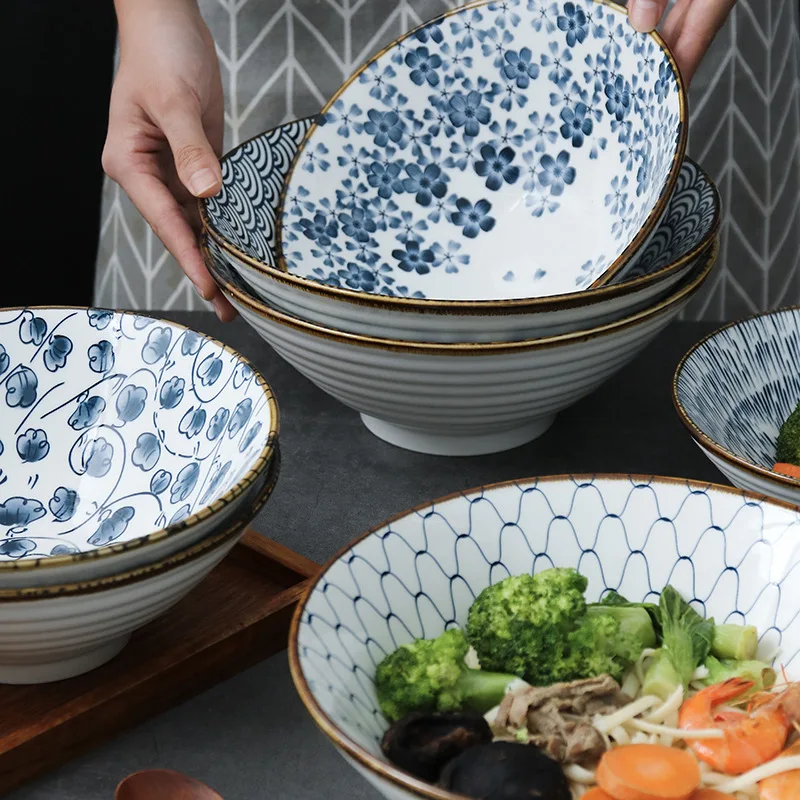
(460,163)
(114,426)
(740,385)
(733,557)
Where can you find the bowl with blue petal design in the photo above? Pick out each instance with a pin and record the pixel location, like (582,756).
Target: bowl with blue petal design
(241,220)
(505,150)
(734,390)
(123,439)
(733,555)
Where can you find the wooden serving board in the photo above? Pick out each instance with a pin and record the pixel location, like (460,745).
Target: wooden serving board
(238,616)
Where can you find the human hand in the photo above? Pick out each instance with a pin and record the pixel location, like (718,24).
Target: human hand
(166,127)
(688,29)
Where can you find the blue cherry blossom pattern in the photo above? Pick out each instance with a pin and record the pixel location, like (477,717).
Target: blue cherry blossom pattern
(469,112)
(556,174)
(520,67)
(577,125)
(424,66)
(497,167)
(473,218)
(574,22)
(414,258)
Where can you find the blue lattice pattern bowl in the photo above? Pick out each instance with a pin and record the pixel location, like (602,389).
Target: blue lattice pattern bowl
(734,390)
(735,556)
(123,439)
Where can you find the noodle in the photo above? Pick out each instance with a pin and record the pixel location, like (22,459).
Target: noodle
(607,723)
(676,733)
(752,778)
(579,774)
(671,705)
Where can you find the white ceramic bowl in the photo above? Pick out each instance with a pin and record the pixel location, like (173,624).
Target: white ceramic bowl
(735,556)
(241,219)
(457,399)
(733,391)
(504,150)
(122,439)
(55,632)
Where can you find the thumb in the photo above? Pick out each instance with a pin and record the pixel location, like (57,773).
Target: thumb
(195,161)
(645,15)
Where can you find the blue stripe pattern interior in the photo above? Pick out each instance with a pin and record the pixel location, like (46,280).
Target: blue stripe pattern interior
(741,384)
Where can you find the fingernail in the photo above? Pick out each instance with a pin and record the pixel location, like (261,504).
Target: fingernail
(202,295)
(202,181)
(219,305)
(645,15)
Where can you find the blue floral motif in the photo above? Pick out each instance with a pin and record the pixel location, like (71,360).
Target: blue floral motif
(113,527)
(55,356)
(100,318)
(385,126)
(469,112)
(357,224)
(424,66)
(63,504)
(147,452)
(101,356)
(97,457)
(240,417)
(414,258)
(181,514)
(191,343)
(216,481)
(17,512)
(130,402)
(192,422)
(16,548)
(556,172)
(217,424)
(249,437)
(497,167)
(171,393)
(573,21)
(33,445)
(385,178)
(320,229)
(357,277)
(4,360)
(21,388)
(158,342)
(619,98)
(209,370)
(184,483)
(425,183)
(520,67)
(473,218)
(577,125)
(32,330)
(160,481)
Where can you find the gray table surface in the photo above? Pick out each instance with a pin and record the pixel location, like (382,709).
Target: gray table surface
(250,738)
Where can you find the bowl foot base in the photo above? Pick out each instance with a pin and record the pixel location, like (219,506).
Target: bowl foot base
(48,672)
(444,444)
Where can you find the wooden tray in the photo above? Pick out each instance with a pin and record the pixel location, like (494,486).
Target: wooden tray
(238,616)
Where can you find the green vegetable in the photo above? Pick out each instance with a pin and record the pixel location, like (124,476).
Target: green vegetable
(719,671)
(430,675)
(737,642)
(788,449)
(686,642)
(613,598)
(661,678)
(538,627)
(635,625)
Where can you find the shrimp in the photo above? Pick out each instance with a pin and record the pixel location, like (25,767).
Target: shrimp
(751,737)
(785,786)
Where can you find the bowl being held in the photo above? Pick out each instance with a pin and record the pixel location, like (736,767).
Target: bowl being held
(241,220)
(455,399)
(49,633)
(734,556)
(461,162)
(735,389)
(123,439)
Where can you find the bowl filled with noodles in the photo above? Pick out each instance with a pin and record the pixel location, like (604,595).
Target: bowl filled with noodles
(606,637)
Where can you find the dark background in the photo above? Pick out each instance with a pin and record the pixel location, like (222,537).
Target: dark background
(59,70)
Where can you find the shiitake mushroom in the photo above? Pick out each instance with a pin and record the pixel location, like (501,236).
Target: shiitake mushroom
(506,771)
(422,743)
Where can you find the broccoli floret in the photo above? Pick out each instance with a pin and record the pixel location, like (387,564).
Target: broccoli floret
(540,628)
(431,675)
(788,449)
(522,624)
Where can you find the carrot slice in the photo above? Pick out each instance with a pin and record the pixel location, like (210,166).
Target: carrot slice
(596,794)
(785,786)
(791,470)
(711,794)
(648,772)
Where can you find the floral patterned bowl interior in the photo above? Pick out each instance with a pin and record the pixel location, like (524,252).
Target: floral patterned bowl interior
(114,426)
(511,149)
(735,389)
(735,557)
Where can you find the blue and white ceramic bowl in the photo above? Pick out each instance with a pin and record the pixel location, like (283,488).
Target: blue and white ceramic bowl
(123,439)
(733,391)
(505,150)
(456,399)
(734,556)
(241,220)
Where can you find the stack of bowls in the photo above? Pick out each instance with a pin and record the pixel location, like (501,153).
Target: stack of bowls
(133,454)
(487,221)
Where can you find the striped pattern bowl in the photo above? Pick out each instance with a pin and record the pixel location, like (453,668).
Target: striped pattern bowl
(734,389)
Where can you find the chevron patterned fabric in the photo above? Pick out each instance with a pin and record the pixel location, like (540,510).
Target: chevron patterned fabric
(282,59)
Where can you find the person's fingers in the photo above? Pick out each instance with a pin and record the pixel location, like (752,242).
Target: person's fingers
(671,29)
(162,212)
(223,309)
(645,15)
(701,24)
(196,162)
